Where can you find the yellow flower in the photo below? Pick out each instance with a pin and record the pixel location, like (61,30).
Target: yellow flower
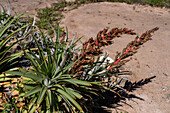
(21,85)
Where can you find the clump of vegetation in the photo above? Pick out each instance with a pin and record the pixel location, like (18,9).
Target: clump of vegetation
(159,3)
(60,76)
(51,15)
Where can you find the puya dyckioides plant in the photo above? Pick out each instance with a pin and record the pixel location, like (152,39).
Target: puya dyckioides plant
(88,68)
(62,75)
(92,47)
(49,86)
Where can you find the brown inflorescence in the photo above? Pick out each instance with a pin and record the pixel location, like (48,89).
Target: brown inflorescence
(131,48)
(93,47)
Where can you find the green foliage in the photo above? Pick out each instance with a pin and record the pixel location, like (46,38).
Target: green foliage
(52,15)
(6,34)
(160,3)
(48,85)
(12,32)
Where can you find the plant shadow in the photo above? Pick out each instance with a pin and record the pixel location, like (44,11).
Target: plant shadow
(112,100)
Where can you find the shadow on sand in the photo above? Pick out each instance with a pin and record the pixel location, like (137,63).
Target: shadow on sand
(113,100)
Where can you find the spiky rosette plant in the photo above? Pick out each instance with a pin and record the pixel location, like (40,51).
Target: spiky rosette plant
(101,68)
(48,85)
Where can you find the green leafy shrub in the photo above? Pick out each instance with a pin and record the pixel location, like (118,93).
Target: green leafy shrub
(52,15)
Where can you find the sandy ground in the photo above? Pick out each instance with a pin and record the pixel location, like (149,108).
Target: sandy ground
(152,59)
(26,6)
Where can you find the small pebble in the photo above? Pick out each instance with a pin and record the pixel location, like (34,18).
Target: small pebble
(166,74)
